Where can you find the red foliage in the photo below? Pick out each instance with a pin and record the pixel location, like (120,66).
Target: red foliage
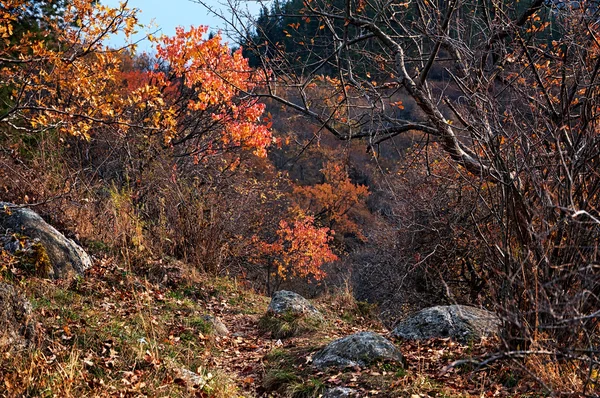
(300,249)
(333,199)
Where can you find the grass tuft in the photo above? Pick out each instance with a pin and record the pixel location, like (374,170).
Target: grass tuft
(313,388)
(277,379)
(288,324)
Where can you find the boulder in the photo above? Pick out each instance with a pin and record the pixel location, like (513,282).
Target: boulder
(459,322)
(217,326)
(290,314)
(66,256)
(285,302)
(17,328)
(357,350)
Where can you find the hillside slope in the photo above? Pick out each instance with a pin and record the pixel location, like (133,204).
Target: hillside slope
(116,333)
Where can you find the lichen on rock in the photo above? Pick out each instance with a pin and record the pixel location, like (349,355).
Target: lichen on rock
(459,322)
(17,328)
(46,244)
(289,314)
(288,302)
(30,255)
(358,350)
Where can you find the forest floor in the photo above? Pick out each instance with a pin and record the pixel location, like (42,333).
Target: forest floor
(114,333)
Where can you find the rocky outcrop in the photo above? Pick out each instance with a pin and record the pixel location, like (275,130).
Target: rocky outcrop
(290,303)
(357,350)
(66,256)
(459,322)
(17,329)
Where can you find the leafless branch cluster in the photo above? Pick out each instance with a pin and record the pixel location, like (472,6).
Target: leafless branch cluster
(509,91)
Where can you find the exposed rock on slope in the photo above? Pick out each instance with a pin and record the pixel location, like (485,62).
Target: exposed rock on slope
(17,329)
(459,322)
(360,349)
(290,314)
(65,255)
(286,302)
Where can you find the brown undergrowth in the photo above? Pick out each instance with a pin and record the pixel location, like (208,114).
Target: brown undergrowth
(115,333)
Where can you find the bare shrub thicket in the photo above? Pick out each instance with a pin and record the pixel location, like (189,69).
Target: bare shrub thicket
(427,251)
(201,212)
(509,91)
(128,194)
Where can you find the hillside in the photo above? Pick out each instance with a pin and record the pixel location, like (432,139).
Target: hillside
(115,333)
(427,173)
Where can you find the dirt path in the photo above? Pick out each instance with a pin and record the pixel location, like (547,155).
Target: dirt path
(246,355)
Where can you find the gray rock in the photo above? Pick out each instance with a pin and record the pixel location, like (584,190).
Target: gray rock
(340,392)
(17,328)
(286,302)
(360,349)
(218,327)
(460,322)
(65,255)
(191,380)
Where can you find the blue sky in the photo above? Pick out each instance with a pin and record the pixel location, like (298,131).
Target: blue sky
(168,14)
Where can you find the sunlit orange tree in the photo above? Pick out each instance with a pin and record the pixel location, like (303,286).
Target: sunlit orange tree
(333,200)
(167,131)
(300,249)
(66,78)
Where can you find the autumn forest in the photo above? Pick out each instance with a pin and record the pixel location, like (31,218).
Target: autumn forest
(379,158)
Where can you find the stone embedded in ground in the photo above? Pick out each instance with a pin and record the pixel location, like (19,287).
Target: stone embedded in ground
(286,302)
(459,322)
(66,256)
(17,328)
(340,392)
(189,379)
(358,350)
(290,314)
(218,327)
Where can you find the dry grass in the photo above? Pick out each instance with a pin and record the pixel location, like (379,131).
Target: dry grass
(112,334)
(340,303)
(116,334)
(557,374)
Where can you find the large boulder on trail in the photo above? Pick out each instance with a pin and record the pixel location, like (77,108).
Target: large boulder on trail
(41,239)
(459,322)
(17,329)
(358,350)
(285,302)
